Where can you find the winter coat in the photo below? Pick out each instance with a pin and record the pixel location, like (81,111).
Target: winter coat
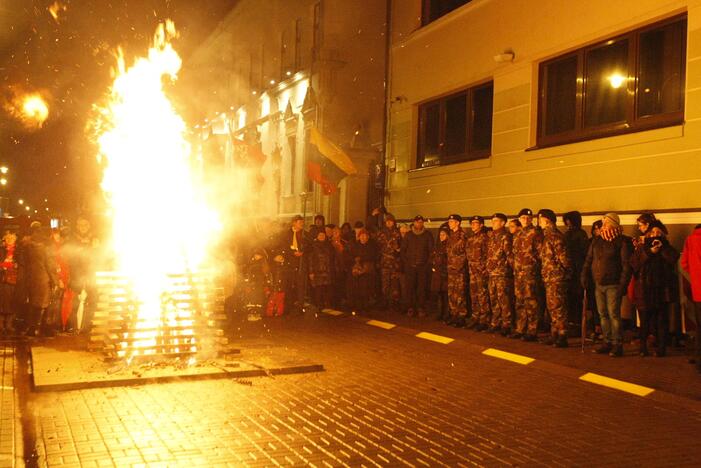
(321,263)
(40,272)
(363,258)
(655,276)
(608,262)
(416,248)
(691,262)
(439,267)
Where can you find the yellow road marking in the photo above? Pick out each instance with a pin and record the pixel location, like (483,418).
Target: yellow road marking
(377,323)
(617,384)
(517,358)
(436,338)
(335,313)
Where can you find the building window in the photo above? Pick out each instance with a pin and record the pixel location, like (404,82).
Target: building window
(625,84)
(434,9)
(456,128)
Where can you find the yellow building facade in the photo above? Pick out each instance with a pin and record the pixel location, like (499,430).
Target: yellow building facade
(631,168)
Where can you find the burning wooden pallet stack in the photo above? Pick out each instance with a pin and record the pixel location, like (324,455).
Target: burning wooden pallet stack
(190,321)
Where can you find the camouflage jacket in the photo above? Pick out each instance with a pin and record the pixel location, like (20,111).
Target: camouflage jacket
(456,251)
(389,242)
(500,258)
(477,245)
(555,264)
(525,249)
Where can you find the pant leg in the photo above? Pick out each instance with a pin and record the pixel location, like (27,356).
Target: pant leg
(644,315)
(662,328)
(456,294)
(493,302)
(555,296)
(613,301)
(602,308)
(411,282)
(421,286)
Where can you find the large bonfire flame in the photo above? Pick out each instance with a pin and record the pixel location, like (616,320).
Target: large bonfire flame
(161,223)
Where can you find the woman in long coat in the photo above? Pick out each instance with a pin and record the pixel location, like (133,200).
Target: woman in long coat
(654,267)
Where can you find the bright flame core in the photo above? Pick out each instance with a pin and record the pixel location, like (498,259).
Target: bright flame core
(30,108)
(161,224)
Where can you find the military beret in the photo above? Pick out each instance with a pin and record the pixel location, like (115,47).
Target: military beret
(525,212)
(419,218)
(390,217)
(501,216)
(548,214)
(479,219)
(455,217)
(297,218)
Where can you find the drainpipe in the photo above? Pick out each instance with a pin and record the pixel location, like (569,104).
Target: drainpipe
(387,117)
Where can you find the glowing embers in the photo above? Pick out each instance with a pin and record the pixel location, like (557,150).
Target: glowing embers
(191,309)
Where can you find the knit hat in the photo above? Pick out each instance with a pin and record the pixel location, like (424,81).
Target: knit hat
(501,216)
(548,214)
(613,218)
(525,212)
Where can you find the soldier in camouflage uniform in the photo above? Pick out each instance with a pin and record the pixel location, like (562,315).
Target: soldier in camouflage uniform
(389,242)
(479,277)
(555,270)
(456,272)
(525,250)
(499,265)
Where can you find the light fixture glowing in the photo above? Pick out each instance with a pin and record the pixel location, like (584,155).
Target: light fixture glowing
(20,201)
(616,80)
(272,82)
(288,73)
(3,181)
(4,169)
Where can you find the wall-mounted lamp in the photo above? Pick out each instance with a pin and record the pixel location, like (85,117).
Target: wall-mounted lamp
(507,56)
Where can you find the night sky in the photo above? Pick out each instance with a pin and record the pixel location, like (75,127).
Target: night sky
(69,60)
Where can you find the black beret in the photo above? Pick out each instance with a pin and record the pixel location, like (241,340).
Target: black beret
(501,216)
(479,219)
(525,212)
(455,217)
(419,218)
(548,214)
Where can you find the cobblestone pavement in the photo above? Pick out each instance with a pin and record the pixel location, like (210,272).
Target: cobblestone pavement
(10,429)
(387,398)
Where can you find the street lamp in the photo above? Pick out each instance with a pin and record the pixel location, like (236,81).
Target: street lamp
(3,181)
(4,169)
(20,201)
(27,208)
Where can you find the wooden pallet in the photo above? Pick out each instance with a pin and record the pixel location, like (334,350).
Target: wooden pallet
(190,321)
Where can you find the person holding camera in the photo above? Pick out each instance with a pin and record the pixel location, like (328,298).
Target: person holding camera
(654,267)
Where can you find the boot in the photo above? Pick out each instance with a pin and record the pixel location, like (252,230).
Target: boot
(603,349)
(617,351)
(550,340)
(561,342)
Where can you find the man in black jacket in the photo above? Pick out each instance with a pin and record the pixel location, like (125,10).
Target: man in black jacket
(415,252)
(608,262)
(289,251)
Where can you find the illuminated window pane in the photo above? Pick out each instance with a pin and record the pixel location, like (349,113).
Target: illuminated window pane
(606,84)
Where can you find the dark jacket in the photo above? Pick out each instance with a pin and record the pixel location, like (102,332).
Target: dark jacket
(284,246)
(439,267)
(655,276)
(577,244)
(608,262)
(321,263)
(40,270)
(416,248)
(363,256)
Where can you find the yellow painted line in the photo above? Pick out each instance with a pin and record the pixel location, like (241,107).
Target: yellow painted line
(377,323)
(517,358)
(617,384)
(335,313)
(436,338)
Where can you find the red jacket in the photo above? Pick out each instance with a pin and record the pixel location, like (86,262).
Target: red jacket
(691,262)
